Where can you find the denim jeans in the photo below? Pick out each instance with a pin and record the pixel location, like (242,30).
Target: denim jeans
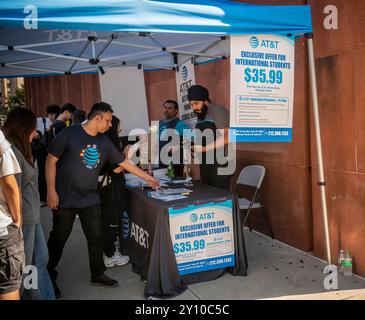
(63,220)
(36,254)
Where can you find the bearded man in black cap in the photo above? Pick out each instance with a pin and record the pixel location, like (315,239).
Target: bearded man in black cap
(210,117)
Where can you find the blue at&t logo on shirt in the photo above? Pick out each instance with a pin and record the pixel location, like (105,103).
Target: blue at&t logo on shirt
(90,156)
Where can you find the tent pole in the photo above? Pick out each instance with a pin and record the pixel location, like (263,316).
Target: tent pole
(31,60)
(133,55)
(321,183)
(93,49)
(35,69)
(126,44)
(50,43)
(48,54)
(193,44)
(95,68)
(80,55)
(190,53)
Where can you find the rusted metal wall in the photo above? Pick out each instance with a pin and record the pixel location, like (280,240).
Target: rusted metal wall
(340,61)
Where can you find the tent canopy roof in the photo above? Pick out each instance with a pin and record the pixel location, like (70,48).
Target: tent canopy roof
(131,32)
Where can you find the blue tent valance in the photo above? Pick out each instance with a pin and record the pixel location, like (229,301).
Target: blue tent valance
(218,17)
(156,34)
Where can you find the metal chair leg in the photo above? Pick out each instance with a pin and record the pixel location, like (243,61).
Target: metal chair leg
(265,216)
(247,219)
(249,223)
(267,222)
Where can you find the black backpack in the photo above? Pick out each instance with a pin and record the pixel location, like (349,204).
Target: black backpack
(111,187)
(40,145)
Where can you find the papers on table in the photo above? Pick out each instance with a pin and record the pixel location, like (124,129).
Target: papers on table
(136,183)
(170,194)
(160,173)
(169,197)
(133,181)
(187,180)
(177,191)
(139,183)
(161,176)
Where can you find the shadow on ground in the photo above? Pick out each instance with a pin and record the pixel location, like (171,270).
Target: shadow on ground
(275,270)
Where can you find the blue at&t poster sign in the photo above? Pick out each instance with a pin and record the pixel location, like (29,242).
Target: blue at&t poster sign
(202,236)
(262,88)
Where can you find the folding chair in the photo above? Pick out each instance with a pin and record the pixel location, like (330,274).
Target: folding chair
(252,176)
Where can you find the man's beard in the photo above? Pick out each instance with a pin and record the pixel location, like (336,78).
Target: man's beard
(203,112)
(169,116)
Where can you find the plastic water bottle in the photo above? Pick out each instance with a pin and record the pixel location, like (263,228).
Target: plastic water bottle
(341,257)
(347,265)
(170,171)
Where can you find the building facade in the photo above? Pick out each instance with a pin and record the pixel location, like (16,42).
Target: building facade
(8,87)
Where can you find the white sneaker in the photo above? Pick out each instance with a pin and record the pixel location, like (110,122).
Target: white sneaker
(109,262)
(119,259)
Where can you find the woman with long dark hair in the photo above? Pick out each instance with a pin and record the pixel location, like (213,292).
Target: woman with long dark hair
(19,129)
(112,194)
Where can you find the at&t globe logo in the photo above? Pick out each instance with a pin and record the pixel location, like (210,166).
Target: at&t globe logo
(125,225)
(90,156)
(184,73)
(254,42)
(194,217)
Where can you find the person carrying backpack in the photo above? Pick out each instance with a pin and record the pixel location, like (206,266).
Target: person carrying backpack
(40,145)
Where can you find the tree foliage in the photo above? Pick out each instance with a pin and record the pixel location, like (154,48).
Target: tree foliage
(13,101)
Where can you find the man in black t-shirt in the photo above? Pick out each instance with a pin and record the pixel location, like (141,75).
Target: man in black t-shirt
(73,165)
(65,115)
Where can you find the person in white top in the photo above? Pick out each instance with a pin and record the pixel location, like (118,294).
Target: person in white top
(44,124)
(11,239)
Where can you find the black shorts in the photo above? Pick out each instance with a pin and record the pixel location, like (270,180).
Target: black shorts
(12,260)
